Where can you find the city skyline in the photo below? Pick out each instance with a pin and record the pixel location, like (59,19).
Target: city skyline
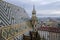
(30,20)
(43,7)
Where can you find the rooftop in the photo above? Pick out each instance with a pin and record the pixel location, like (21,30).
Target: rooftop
(50,29)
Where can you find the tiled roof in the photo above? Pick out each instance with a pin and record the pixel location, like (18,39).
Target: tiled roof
(50,29)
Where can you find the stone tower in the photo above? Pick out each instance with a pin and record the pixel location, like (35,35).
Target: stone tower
(34,18)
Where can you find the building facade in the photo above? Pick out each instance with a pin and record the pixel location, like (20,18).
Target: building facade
(49,33)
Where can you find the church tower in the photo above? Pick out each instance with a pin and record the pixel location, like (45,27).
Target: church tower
(34,19)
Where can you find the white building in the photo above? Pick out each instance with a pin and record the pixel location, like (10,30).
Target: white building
(49,33)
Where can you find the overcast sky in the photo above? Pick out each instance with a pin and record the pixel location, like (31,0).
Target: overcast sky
(43,7)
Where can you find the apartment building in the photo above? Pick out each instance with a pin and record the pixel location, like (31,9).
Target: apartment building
(49,33)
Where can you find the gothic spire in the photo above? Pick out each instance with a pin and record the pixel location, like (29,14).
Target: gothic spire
(33,7)
(34,11)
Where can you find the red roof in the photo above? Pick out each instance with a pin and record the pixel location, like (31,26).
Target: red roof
(50,29)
